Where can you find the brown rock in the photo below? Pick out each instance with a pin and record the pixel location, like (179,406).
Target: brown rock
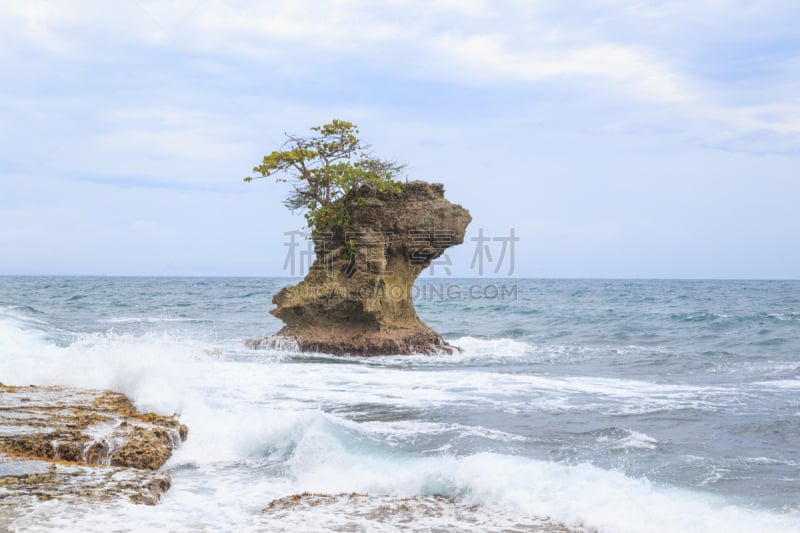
(397,513)
(356,298)
(29,481)
(83,435)
(145,448)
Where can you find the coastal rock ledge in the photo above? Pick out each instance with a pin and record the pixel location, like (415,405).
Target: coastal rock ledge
(356,298)
(80,445)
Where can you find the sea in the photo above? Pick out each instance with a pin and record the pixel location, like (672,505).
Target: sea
(598,405)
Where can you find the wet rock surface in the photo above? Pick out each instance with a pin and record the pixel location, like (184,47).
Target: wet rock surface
(74,444)
(431,513)
(24,481)
(356,298)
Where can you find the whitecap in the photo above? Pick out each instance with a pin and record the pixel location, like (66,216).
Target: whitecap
(631,439)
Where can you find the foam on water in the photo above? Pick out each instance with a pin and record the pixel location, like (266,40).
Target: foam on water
(781,383)
(264,425)
(321,459)
(474,347)
(473,350)
(631,439)
(146,320)
(480,352)
(151,370)
(290,452)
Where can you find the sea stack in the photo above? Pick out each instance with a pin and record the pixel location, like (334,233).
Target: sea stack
(356,298)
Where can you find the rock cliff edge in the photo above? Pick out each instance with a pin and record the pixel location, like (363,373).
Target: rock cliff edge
(79,445)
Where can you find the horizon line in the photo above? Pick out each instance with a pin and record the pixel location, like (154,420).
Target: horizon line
(453,278)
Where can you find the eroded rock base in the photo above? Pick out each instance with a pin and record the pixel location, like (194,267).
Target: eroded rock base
(364,344)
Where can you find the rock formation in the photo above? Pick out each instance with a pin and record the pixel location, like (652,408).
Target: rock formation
(356,298)
(396,513)
(59,442)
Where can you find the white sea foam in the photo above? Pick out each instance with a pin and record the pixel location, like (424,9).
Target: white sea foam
(475,347)
(405,431)
(323,458)
(472,350)
(780,383)
(146,320)
(784,316)
(153,370)
(631,439)
(323,461)
(477,351)
(158,371)
(260,430)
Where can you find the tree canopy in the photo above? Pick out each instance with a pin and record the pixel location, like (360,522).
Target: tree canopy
(330,172)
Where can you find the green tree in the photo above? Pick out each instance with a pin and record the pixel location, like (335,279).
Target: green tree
(331,171)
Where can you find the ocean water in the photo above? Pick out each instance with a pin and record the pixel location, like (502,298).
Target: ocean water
(616,406)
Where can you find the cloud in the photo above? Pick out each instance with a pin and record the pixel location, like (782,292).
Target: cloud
(35,21)
(622,68)
(614,49)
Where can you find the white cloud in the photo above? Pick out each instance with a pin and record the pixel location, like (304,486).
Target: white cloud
(622,68)
(35,22)
(466,42)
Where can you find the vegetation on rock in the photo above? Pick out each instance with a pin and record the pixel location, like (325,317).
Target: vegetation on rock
(372,237)
(331,172)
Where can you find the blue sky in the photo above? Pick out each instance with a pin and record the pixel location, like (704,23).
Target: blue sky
(618,138)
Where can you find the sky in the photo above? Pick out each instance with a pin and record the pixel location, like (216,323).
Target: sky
(615,138)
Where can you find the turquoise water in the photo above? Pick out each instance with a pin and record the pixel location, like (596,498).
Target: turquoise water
(617,405)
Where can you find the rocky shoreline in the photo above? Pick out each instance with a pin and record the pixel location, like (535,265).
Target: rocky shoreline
(81,445)
(395,513)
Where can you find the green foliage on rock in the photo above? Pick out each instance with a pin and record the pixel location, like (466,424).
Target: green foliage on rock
(331,172)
